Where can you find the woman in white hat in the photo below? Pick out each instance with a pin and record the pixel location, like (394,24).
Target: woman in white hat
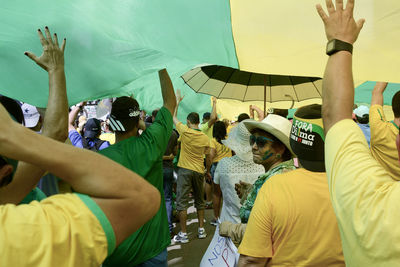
(231,170)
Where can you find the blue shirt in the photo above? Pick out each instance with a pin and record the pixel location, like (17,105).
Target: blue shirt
(76,140)
(366,130)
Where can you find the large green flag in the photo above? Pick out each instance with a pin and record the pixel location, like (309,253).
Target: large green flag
(114,47)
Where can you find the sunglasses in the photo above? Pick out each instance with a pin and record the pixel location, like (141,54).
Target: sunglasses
(261,141)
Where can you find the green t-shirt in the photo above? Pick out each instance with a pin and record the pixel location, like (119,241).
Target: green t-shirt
(143,155)
(35,194)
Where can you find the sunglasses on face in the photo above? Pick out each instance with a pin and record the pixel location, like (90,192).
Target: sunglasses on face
(261,141)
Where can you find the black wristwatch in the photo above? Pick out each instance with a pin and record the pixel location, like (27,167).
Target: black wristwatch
(336,45)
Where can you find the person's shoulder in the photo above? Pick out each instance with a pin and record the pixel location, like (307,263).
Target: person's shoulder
(203,126)
(287,175)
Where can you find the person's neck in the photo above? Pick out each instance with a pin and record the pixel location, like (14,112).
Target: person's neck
(397,121)
(194,126)
(268,166)
(122,136)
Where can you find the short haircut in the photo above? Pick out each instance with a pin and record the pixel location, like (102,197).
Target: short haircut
(364,119)
(396,105)
(193,118)
(206,116)
(13,108)
(243,116)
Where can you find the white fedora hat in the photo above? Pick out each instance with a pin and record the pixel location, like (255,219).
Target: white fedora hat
(275,125)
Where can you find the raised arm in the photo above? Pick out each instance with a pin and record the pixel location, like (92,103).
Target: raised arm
(72,115)
(251,112)
(55,118)
(213,116)
(127,200)
(377,93)
(179,99)
(167,90)
(338,87)
(260,112)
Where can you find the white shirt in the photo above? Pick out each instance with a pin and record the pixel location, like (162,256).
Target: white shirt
(229,172)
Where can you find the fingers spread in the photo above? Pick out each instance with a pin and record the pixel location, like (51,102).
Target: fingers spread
(321,13)
(360,24)
(31,56)
(329,6)
(55,39)
(350,6)
(63,44)
(48,35)
(43,40)
(339,4)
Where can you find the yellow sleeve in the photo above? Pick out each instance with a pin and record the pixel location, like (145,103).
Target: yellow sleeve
(364,197)
(377,122)
(212,144)
(257,240)
(181,128)
(204,127)
(58,231)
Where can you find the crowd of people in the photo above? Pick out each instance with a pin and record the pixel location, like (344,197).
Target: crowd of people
(316,190)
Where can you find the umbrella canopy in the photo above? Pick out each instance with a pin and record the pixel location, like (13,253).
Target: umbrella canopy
(229,83)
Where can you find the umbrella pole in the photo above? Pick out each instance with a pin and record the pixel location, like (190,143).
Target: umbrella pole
(265,96)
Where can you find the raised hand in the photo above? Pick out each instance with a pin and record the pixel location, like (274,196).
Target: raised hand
(52,57)
(380,86)
(179,97)
(340,23)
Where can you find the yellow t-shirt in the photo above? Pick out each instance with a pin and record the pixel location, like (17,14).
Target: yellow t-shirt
(293,223)
(365,199)
(383,141)
(63,230)
(207,130)
(194,145)
(221,151)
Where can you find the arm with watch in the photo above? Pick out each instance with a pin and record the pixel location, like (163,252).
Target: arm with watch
(338,87)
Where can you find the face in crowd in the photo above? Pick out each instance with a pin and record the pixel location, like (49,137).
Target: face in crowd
(267,150)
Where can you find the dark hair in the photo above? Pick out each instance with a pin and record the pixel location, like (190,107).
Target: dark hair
(206,116)
(13,108)
(193,118)
(219,131)
(121,109)
(364,119)
(281,112)
(396,104)
(243,116)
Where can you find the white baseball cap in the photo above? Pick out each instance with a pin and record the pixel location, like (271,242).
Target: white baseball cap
(31,115)
(361,111)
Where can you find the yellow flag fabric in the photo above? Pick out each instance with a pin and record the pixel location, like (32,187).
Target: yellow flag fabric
(287,37)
